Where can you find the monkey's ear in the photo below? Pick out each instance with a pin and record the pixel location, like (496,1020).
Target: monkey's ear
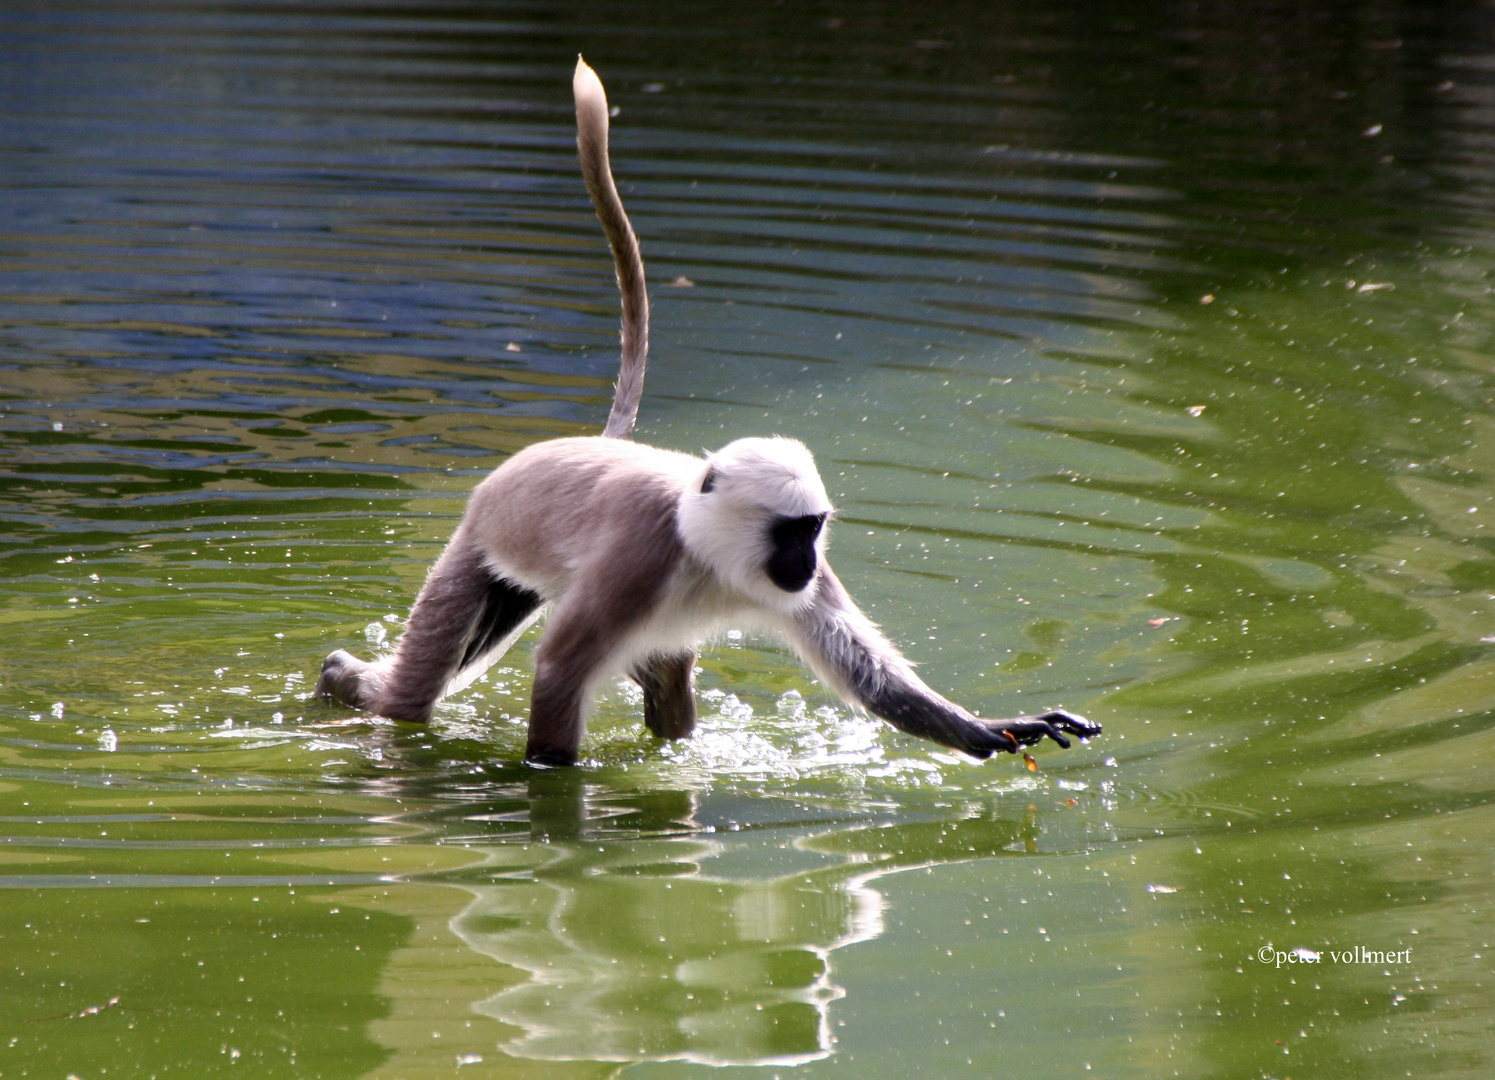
(710,481)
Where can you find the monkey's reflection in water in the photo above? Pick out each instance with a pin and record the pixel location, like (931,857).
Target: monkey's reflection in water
(655,949)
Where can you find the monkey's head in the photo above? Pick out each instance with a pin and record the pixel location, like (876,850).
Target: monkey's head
(756,516)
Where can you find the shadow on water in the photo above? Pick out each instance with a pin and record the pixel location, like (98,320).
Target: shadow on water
(1145,353)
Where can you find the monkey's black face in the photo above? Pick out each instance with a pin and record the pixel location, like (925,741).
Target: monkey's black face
(791,565)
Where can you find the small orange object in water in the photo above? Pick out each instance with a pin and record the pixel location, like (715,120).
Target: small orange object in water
(1032,765)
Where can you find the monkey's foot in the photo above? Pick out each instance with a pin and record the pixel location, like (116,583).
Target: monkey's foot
(346,680)
(550,759)
(1022,731)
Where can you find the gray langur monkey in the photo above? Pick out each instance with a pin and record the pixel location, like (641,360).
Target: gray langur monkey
(640,554)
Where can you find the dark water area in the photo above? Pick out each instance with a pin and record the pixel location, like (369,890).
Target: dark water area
(1145,351)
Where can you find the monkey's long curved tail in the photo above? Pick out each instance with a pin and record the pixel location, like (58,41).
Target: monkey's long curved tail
(591,145)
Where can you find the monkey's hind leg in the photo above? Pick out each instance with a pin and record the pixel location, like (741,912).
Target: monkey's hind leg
(462,620)
(669,694)
(349,681)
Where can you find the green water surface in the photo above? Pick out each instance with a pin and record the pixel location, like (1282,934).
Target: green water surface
(1144,349)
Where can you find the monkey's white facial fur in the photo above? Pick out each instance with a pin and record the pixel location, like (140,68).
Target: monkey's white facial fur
(754,516)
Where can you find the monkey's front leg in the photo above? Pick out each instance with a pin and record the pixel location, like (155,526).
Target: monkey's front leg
(590,622)
(669,694)
(849,653)
(564,667)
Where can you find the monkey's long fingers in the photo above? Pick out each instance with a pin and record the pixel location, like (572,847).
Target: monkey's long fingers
(1073,723)
(1012,735)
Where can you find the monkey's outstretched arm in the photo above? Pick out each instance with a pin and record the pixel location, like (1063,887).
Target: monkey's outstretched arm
(850,654)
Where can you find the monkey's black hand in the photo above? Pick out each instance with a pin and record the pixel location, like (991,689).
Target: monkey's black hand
(1012,735)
